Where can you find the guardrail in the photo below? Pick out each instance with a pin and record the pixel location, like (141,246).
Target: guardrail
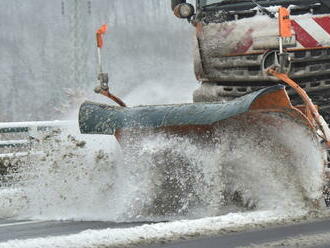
(22,127)
(25,133)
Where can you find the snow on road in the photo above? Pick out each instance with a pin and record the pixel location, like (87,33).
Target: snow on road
(302,241)
(95,180)
(161,232)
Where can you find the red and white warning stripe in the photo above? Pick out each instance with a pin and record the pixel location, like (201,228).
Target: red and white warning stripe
(312,32)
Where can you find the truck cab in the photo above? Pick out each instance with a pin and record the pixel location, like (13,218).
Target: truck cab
(237,39)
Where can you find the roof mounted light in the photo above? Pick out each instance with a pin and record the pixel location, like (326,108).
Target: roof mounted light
(174,3)
(184,10)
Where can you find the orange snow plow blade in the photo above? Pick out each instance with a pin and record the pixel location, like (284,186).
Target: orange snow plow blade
(197,120)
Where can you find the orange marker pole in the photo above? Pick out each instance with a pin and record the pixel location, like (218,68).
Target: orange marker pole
(99,42)
(99,35)
(284,23)
(103,88)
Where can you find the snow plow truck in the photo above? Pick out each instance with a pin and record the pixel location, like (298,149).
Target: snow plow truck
(254,59)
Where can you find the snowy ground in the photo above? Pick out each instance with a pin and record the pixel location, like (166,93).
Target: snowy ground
(94,180)
(316,240)
(161,232)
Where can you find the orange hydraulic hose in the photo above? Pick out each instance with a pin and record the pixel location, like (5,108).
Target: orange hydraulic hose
(309,104)
(113,97)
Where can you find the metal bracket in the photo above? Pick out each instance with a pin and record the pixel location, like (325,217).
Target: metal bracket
(275,60)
